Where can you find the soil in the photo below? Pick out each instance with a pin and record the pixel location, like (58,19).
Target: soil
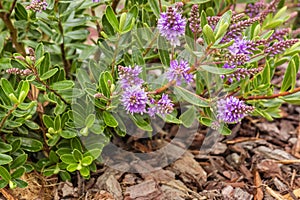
(260,160)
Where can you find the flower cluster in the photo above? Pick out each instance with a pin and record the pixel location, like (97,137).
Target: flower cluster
(129,76)
(134,97)
(134,100)
(23,72)
(279,34)
(195,19)
(235,30)
(232,110)
(280,46)
(179,71)
(171,25)
(252,10)
(162,106)
(241,73)
(270,8)
(37,5)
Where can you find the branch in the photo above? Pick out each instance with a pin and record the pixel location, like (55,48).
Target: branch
(7,115)
(66,62)
(13,32)
(272,96)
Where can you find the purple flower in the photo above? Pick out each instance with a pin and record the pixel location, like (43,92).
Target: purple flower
(240,46)
(163,106)
(227,66)
(171,25)
(37,5)
(96,1)
(134,99)
(129,77)
(232,110)
(179,71)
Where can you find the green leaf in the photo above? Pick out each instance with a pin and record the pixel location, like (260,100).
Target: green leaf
(18,172)
(48,121)
(208,35)
(5,147)
(217,70)
(85,172)
(163,51)
(19,161)
(16,144)
(76,144)
(289,79)
(68,134)
(4,174)
(203,20)
(224,130)
(141,123)
(5,159)
(68,159)
(20,183)
(30,144)
(130,19)
(95,153)
(188,117)
(87,160)
(89,121)
(7,87)
(3,183)
(155,7)
(77,155)
(77,35)
(190,97)
(72,167)
(20,12)
(53,157)
(104,78)
(48,74)
(205,121)
(62,85)
(109,119)
(111,17)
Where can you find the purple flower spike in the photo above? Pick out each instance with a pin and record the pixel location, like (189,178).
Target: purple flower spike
(171,25)
(37,5)
(129,77)
(163,106)
(179,71)
(134,100)
(232,110)
(240,46)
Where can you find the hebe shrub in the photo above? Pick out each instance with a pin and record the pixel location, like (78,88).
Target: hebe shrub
(74,73)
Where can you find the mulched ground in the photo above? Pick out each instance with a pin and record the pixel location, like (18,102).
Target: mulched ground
(260,160)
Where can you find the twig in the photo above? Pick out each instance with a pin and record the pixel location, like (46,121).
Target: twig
(13,32)
(271,96)
(66,62)
(97,23)
(47,86)
(114,5)
(12,7)
(7,115)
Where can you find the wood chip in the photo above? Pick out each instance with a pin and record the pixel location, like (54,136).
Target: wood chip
(259,194)
(146,190)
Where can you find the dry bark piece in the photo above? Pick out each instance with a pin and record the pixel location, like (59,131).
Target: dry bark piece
(146,190)
(111,184)
(68,190)
(269,167)
(189,170)
(259,194)
(276,154)
(295,192)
